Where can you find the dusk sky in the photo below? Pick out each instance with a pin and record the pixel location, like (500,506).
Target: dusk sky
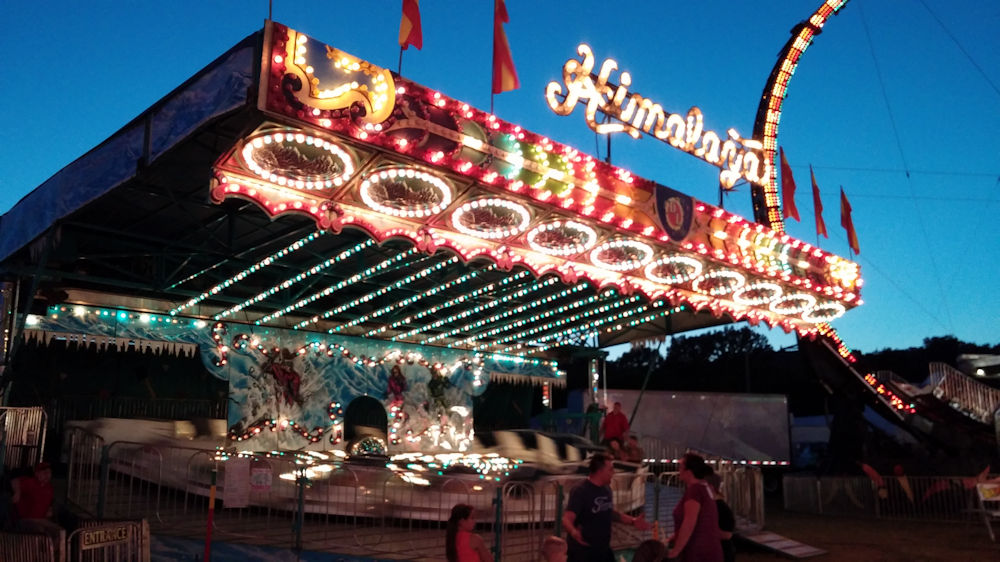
(898,102)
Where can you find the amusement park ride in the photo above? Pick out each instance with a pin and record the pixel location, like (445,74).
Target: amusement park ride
(323,231)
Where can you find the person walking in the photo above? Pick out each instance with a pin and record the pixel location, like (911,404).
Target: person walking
(590,513)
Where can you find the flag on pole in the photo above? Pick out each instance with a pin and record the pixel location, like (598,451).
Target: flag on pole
(409,27)
(817,206)
(504,74)
(787,188)
(847,222)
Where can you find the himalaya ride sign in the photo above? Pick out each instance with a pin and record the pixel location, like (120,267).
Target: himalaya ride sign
(635,114)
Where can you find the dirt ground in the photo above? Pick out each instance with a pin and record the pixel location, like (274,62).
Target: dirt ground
(874,540)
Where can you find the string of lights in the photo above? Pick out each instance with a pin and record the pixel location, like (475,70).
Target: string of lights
(505,314)
(374,294)
(450,303)
(587,327)
(562,321)
(249,271)
(531,331)
(333,288)
(512,312)
(483,307)
(644,319)
(415,298)
(293,280)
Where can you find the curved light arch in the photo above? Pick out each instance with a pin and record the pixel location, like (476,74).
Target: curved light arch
(766,202)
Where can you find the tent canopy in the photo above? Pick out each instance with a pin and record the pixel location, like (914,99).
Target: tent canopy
(309,189)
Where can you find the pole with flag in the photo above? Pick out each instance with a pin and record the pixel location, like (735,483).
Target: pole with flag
(787,189)
(409,29)
(847,222)
(504,74)
(817,208)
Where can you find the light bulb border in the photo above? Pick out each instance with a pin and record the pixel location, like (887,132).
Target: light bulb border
(407,173)
(589,232)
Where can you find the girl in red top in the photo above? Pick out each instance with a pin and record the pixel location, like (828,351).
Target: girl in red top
(33,494)
(462,544)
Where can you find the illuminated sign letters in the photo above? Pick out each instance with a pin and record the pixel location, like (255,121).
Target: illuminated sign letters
(736,156)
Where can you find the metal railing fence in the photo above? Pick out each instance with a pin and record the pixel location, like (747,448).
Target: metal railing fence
(26,548)
(270,499)
(22,437)
(964,393)
(742,484)
(83,479)
(927,498)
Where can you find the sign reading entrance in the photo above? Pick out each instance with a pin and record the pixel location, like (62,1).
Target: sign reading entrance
(736,156)
(104,536)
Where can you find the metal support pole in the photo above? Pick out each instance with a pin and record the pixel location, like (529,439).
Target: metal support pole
(645,382)
(657,488)
(102,483)
(300,513)
(819,496)
(497,523)
(559,509)
(210,522)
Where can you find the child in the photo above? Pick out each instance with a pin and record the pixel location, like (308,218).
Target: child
(462,544)
(554,549)
(651,550)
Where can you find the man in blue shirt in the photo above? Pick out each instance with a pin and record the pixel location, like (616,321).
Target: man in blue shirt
(591,511)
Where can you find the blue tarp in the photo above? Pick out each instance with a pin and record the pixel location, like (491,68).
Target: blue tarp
(217,89)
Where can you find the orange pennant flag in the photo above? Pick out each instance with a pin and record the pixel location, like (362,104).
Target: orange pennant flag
(787,188)
(409,27)
(817,206)
(504,74)
(847,222)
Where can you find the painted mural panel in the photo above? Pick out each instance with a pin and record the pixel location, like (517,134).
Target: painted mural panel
(293,389)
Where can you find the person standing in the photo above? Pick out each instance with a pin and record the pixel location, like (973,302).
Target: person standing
(615,424)
(696,519)
(633,451)
(727,521)
(32,500)
(33,494)
(590,513)
(462,544)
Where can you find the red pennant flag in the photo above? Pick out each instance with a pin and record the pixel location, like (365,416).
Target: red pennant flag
(817,206)
(504,74)
(409,27)
(847,222)
(787,188)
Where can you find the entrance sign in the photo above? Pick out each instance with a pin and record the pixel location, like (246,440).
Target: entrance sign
(736,156)
(104,536)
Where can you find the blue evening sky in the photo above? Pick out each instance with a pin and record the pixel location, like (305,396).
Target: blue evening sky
(898,102)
